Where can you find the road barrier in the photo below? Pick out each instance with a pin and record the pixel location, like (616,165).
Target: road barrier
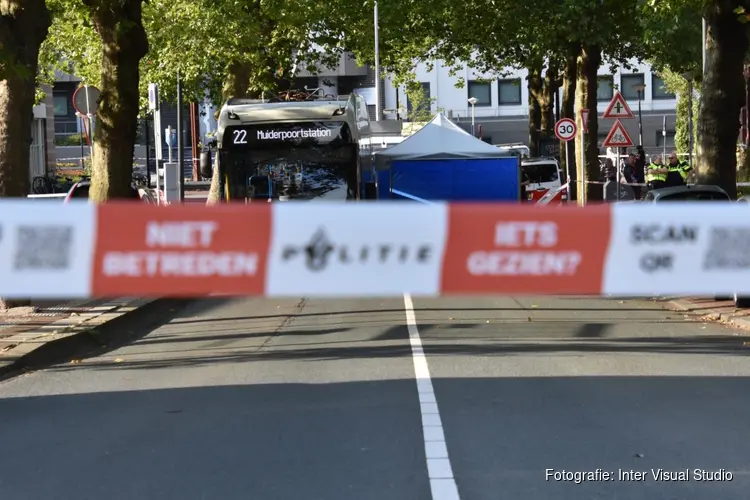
(370,250)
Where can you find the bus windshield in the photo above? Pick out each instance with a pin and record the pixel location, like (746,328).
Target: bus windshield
(302,161)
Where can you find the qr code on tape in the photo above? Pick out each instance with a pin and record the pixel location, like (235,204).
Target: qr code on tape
(43,248)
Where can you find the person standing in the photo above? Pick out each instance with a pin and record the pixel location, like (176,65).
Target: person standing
(639,173)
(656,175)
(678,171)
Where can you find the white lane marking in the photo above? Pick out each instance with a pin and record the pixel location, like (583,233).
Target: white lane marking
(442,483)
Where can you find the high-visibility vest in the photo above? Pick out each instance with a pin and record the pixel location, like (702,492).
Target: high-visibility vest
(685,169)
(653,176)
(677,169)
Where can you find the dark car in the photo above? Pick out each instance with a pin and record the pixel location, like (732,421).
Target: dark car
(696,193)
(687,193)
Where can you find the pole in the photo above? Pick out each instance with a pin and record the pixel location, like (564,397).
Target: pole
(90,124)
(582,192)
(194,140)
(664,138)
(640,121)
(377,65)
(148,145)
(180,145)
(567,163)
(398,114)
(169,141)
(703,51)
(472,120)
(83,152)
(690,122)
(620,151)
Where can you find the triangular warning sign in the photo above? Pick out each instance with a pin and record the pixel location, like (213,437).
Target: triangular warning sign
(618,107)
(618,137)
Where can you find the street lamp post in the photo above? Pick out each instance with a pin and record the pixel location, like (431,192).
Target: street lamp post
(473,101)
(377,64)
(640,88)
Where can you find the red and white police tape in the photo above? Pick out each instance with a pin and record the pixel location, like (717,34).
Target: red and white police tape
(371,249)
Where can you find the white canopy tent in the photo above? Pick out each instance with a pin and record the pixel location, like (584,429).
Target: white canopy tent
(439,139)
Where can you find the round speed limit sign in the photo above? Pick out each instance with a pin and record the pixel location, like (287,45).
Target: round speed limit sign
(565,129)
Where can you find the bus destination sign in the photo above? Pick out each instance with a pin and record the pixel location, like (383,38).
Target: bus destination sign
(292,134)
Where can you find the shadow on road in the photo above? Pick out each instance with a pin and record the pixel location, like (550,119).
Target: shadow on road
(709,344)
(456,310)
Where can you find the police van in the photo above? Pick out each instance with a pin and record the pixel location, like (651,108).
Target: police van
(543,175)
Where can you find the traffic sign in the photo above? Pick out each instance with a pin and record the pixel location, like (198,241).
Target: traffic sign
(565,129)
(585,120)
(618,137)
(85,99)
(153,97)
(618,107)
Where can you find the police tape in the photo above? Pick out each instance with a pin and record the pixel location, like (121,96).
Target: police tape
(371,249)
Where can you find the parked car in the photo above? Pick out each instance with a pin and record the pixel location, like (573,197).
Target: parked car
(687,193)
(697,193)
(80,190)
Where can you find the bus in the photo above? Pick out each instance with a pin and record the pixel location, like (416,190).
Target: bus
(296,146)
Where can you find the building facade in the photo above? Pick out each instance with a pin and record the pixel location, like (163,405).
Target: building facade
(502,106)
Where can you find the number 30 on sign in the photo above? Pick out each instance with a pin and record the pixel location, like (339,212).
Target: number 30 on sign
(565,129)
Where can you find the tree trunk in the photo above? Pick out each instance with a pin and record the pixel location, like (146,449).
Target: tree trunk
(23,27)
(124,43)
(589,60)
(550,84)
(534,84)
(568,110)
(722,96)
(236,84)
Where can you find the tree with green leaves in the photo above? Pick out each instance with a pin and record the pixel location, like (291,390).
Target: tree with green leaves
(23,26)
(677,84)
(550,38)
(110,34)
(722,91)
(420,103)
(220,49)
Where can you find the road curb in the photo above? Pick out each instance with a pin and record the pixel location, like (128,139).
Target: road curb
(37,348)
(723,317)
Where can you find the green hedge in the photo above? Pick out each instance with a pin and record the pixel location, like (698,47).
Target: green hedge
(69,140)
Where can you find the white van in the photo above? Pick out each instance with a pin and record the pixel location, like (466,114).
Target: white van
(543,174)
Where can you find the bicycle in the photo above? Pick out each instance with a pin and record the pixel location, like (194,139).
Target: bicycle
(41,185)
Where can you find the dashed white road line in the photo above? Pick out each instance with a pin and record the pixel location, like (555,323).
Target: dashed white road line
(442,483)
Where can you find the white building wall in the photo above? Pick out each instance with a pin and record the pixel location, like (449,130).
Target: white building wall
(455,100)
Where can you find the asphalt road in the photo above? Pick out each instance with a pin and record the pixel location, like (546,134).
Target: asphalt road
(314,399)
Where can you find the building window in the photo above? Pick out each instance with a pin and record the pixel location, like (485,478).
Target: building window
(604,88)
(482,92)
(628,84)
(509,92)
(658,90)
(669,139)
(60,105)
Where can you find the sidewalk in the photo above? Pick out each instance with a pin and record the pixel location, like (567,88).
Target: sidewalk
(26,329)
(710,309)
